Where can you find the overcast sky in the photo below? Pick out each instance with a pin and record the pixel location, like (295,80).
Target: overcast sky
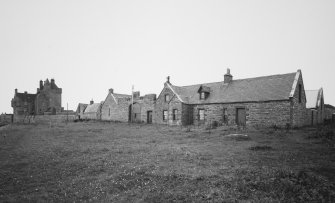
(91,46)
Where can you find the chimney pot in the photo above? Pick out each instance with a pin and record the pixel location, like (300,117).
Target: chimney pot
(111,91)
(228,77)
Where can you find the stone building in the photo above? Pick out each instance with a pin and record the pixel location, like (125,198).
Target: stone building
(119,107)
(262,101)
(23,103)
(80,110)
(92,111)
(47,100)
(315,106)
(329,113)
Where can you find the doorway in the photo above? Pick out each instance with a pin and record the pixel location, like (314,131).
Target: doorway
(149,116)
(240,116)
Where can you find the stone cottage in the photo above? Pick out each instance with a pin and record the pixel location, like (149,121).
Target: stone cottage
(315,106)
(80,110)
(92,111)
(262,101)
(119,107)
(47,100)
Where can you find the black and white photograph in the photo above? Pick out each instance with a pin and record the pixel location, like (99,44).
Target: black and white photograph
(167,101)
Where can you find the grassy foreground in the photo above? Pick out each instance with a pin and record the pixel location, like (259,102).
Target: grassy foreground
(118,162)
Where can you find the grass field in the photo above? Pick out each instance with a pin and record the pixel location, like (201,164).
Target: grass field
(118,162)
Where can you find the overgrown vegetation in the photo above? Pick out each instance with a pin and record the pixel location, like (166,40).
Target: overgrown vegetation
(117,162)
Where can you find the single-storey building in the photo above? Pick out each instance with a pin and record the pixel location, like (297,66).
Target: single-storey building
(128,108)
(80,110)
(315,106)
(276,100)
(92,111)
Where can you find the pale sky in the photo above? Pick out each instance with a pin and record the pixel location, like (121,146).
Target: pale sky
(91,46)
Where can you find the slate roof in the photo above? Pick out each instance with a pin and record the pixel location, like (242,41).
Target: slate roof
(313,98)
(92,108)
(82,105)
(116,95)
(267,88)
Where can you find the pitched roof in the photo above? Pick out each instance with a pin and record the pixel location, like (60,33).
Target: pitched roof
(267,88)
(313,98)
(116,95)
(92,108)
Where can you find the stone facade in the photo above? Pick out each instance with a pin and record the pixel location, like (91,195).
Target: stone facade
(80,110)
(119,107)
(289,109)
(92,111)
(48,99)
(274,113)
(172,103)
(23,103)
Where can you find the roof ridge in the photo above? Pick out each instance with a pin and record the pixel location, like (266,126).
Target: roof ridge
(259,77)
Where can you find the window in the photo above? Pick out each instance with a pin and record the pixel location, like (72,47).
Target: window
(109,112)
(202,95)
(201,114)
(174,114)
(165,115)
(225,116)
(167,98)
(299,93)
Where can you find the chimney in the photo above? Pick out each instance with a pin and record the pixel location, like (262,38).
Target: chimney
(136,95)
(111,91)
(228,77)
(25,92)
(52,81)
(41,84)
(15,91)
(168,79)
(92,102)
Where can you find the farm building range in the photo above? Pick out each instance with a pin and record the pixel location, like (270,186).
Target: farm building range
(277,100)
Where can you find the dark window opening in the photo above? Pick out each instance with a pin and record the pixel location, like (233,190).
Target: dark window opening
(109,112)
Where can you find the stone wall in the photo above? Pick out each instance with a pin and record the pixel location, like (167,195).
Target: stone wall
(257,114)
(6,118)
(44,119)
(162,105)
(115,111)
(299,112)
(147,104)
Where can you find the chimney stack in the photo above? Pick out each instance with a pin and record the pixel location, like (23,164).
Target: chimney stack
(15,91)
(41,84)
(91,102)
(168,79)
(25,92)
(228,77)
(52,81)
(111,91)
